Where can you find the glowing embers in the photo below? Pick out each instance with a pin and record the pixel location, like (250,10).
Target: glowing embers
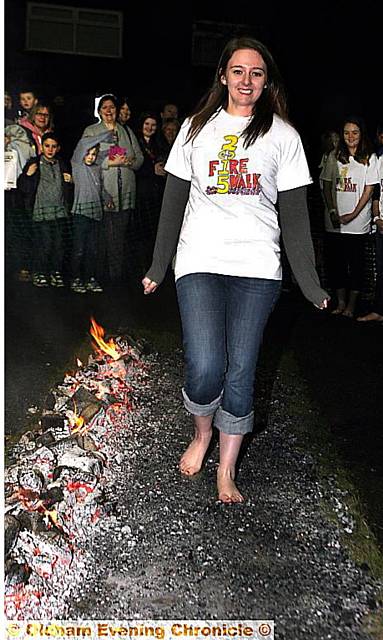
(55,489)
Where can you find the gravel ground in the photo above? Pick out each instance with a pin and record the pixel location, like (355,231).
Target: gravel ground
(169,549)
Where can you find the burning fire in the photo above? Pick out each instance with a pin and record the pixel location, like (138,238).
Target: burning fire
(77,422)
(97,332)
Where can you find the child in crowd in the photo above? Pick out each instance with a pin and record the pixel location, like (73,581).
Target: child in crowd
(90,200)
(18,223)
(27,100)
(47,189)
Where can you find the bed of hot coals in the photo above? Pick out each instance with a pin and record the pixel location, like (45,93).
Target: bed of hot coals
(55,484)
(102,526)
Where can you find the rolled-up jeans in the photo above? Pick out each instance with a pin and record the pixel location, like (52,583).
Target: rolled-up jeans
(223,318)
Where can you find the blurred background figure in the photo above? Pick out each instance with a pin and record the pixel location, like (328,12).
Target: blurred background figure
(169,110)
(125,113)
(90,199)
(9,110)
(349,176)
(376,314)
(27,100)
(123,158)
(46,184)
(38,122)
(149,190)
(167,135)
(18,149)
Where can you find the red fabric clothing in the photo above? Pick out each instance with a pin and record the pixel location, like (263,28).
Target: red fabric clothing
(36,133)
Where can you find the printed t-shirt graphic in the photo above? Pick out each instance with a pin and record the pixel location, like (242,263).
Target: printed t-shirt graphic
(231,224)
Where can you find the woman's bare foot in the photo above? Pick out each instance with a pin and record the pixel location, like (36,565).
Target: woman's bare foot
(227,489)
(348,313)
(371,317)
(192,459)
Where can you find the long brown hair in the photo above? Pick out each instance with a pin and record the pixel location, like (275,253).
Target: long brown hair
(364,148)
(272,100)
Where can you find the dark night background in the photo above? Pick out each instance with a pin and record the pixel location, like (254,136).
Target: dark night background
(329,55)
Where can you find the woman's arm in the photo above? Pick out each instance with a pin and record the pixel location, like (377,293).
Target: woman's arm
(296,234)
(364,198)
(175,198)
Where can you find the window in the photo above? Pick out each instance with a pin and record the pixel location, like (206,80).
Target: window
(62,29)
(209,38)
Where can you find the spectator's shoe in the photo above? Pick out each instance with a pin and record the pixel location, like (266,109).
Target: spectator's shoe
(93,286)
(40,280)
(56,280)
(24,276)
(77,286)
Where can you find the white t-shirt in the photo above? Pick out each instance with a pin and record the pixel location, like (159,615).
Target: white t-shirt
(230,225)
(380,174)
(350,180)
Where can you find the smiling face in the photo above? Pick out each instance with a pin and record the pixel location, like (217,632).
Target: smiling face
(351,134)
(149,127)
(245,77)
(41,118)
(108,112)
(50,149)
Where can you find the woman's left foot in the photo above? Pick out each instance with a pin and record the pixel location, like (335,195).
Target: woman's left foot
(371,317)
(227,489)
(348,313)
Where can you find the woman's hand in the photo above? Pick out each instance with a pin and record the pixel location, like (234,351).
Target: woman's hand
(149,286)
(159,169)
(346,218)
(118,161)
(323,305)
(67,177)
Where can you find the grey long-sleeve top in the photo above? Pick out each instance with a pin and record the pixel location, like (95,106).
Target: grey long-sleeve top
(295,227)
(125,196)
(90,196)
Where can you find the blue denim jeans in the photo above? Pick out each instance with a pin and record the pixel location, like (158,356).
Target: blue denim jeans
(223,318)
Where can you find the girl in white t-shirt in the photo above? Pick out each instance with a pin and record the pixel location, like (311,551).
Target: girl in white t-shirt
(232,159)
(348,179)
(376,314)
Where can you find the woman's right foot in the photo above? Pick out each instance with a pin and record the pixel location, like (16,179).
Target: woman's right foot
(228,491)
(192,459)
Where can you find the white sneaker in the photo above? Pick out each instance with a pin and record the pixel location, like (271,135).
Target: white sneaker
(93,286)
(78,286)
(56,280)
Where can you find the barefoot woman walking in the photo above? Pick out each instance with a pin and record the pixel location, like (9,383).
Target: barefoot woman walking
(231,160)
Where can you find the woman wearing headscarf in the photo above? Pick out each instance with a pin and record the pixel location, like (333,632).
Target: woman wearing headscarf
(123,158)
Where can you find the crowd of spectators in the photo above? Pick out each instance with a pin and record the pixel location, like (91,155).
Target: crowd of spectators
(93,220)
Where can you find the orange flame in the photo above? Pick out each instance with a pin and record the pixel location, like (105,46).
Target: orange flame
(76,421)
(97,332)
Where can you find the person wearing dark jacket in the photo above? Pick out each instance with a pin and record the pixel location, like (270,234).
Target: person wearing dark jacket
(46,185)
